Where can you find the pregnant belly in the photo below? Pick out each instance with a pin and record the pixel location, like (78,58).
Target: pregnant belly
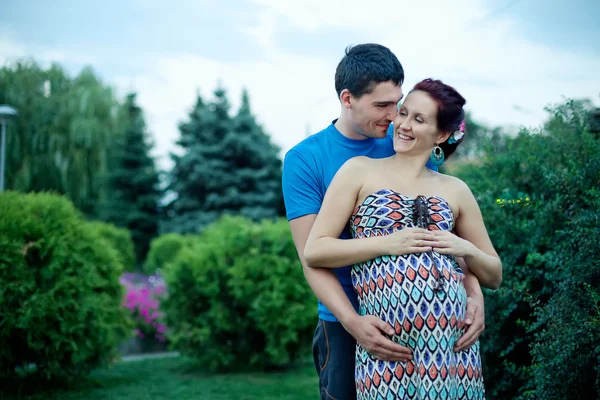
(401,293)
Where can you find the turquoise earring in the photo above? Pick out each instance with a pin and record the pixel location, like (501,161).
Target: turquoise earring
(437,156)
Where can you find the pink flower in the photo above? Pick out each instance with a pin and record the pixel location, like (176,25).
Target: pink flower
(142,299)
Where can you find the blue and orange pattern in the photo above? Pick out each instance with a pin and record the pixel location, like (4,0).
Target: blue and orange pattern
(399,290)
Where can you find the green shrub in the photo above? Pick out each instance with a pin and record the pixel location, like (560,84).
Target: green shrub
(120,240)
(238,298)
(60,296)
(529,190)
(566,352)
(163,250)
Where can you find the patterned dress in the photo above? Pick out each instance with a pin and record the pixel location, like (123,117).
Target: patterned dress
(401,291)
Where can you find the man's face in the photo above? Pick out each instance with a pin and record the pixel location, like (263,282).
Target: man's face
(372,113)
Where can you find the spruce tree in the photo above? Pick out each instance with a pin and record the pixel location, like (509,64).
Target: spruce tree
(228,166)
(133,180)
(257,165)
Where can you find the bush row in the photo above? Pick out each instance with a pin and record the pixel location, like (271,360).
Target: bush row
(60,297)
(238,298)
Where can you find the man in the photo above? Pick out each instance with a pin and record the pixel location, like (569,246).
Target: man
(368,82)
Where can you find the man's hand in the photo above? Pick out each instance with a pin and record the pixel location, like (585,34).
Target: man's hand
(475,322)
(369,332)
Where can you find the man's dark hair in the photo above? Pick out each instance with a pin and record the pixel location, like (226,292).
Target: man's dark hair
(366,65)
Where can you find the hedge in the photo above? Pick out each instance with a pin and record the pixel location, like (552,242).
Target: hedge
(238,297)
(60,295)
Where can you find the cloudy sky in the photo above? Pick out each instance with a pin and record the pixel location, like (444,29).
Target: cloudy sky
(509,58)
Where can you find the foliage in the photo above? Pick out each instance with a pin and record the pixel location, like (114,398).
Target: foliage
(237,297)
(566,352)
(227,166)
(119,239)
(60,300)
(60,139)
(163,250)
(478,139)
(529,192)
(133,180)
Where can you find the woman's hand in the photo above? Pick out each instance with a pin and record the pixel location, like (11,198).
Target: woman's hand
(449,243)
(408,241)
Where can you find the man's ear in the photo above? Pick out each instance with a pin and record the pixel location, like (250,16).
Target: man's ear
(346,98)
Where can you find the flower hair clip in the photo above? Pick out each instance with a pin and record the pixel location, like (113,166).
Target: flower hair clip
(458,134)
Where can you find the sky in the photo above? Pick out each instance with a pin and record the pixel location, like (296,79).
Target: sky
(509,58)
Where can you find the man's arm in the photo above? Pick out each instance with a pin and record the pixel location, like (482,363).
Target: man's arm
(367,330)
(324,284)
(303,196)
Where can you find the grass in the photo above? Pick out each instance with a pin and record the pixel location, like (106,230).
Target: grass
(184,379)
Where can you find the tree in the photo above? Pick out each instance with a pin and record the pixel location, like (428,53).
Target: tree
(133,180)
(185,184)
(478,139)
(594,121)
(539,198)
(60,140)
(228,166)
(257,166)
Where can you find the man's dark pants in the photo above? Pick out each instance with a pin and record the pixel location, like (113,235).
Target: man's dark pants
(333,354)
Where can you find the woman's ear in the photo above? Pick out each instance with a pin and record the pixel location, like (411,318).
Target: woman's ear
(442,137)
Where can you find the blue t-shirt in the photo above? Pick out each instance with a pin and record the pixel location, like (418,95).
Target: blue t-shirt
(308,169)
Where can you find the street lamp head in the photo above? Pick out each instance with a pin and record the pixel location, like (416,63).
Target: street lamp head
(7,112)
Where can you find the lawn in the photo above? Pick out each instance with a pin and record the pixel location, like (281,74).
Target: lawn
(184,379)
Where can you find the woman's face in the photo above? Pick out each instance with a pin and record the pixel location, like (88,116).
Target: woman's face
(415,125)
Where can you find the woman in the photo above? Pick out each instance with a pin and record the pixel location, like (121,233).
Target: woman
(396,206)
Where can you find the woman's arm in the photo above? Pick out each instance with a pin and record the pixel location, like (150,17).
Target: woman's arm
(473,241)
(324,249)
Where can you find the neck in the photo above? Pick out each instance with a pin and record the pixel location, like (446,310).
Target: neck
(344,126)
(411,165)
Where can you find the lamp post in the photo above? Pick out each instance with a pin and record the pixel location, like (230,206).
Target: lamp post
(6,113)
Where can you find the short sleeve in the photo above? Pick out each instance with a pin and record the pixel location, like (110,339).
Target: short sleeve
(301,189)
